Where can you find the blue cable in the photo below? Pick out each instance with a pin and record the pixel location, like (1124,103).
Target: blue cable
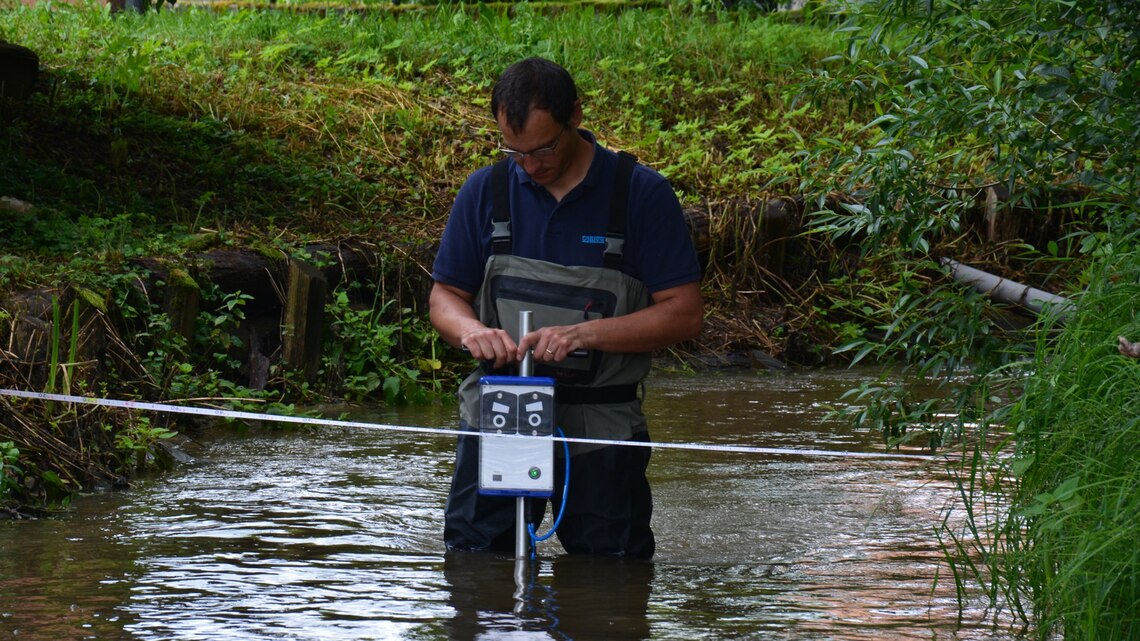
(534,538)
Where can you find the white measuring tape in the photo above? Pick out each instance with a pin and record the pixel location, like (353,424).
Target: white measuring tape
(305,420)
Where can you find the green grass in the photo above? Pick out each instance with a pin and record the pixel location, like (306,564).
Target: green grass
(246,125)
(398,102)
(288,124)
(1062,550)
(1078,464)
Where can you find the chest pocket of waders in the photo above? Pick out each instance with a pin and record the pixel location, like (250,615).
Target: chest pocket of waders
(560,295)
(552,304)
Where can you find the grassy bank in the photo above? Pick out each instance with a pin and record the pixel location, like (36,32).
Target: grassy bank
(1077,502)
(1038,98)
(365,121)
(280,125)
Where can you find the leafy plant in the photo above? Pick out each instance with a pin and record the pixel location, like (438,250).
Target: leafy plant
(137,443)
(10,471)
(1055,527)
(953,109)
(377,353)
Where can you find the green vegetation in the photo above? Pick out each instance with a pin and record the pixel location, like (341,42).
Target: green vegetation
(365,347)
(1041,99)
(1068,543)
(10,471)
(1037,99)
(1052,505)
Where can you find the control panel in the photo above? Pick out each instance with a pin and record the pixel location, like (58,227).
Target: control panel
(516,451)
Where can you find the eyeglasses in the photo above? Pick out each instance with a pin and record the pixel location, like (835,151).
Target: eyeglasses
(537,154)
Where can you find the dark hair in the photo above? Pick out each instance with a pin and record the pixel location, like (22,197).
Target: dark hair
(534,83)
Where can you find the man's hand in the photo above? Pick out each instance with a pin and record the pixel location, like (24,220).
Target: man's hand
(491,346)
(553,344)
(452,313)
(675,315)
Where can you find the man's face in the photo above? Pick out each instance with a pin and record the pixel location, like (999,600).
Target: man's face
(544,147)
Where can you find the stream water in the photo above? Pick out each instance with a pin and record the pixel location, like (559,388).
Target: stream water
(334,533)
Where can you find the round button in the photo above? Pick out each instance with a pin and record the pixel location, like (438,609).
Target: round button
(534,473)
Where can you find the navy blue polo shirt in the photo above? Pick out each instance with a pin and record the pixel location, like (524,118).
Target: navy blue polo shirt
(658,247)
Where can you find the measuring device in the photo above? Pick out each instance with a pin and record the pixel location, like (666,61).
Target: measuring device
(516,453)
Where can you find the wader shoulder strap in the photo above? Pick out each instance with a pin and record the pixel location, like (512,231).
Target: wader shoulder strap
(619,203)
(501,207)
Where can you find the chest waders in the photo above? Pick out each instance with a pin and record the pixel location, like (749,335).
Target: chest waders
(609,503)
(596,393)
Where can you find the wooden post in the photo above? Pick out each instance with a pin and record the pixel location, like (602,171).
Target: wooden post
(1001,219)
(183,302)
(304,318)
(777,226)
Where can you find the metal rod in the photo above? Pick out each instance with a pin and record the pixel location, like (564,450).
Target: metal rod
(522,538)
(526,368)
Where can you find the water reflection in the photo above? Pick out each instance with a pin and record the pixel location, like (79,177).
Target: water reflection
(335,534)
(42,566)
(564,598)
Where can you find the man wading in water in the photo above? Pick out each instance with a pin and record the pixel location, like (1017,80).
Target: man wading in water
(596,242)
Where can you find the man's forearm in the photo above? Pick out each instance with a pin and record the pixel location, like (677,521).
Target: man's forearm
(655,327)
(451,315)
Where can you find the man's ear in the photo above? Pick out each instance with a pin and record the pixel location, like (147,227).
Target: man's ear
(576,114)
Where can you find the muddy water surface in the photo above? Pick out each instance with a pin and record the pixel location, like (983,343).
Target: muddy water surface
(334,533)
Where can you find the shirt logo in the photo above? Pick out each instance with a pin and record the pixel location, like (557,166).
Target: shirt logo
(593,240)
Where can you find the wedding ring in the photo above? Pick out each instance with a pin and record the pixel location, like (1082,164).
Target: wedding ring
(548,351)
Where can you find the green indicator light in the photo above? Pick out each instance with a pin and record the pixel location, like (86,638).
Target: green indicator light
(535,473)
